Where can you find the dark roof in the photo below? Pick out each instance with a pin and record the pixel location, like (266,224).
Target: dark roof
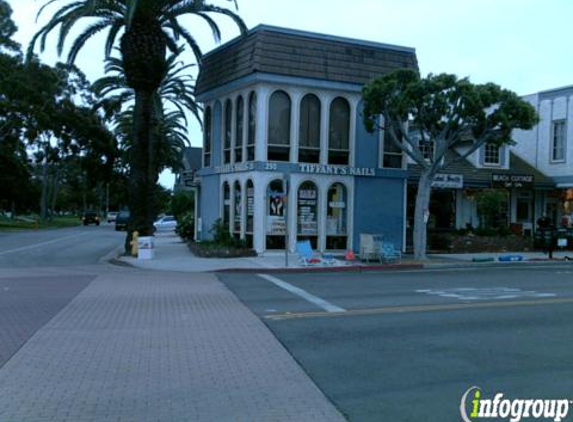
(289,52)
(192,158)
(481,177)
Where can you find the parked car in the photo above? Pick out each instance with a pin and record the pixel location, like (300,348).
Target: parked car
(90,217)
(121,220)
(111,216)
(166,223)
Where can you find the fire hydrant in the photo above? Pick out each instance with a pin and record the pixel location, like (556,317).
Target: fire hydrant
(134,243)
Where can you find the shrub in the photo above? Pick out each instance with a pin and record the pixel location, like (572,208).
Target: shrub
(186,226)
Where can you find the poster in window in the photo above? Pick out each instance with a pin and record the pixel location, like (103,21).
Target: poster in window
(275,213)
(307,209)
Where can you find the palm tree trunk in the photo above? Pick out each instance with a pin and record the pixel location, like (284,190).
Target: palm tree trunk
(143,172)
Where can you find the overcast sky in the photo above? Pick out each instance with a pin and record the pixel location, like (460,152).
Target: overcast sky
(523,45)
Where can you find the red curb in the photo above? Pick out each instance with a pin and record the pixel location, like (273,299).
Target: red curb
(351,268)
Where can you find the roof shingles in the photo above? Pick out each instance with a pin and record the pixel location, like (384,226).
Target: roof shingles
(292,53)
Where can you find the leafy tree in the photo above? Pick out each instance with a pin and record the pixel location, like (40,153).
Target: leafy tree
(150,27)
(426,117)
(7,28)
(181,203)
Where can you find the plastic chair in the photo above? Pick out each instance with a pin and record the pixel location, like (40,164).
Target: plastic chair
(389,254)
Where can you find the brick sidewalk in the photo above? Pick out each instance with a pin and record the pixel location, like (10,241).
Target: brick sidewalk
(133,347)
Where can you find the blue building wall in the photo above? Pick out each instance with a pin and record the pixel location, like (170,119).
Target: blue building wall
(379,209)
(367,144)
(209,204)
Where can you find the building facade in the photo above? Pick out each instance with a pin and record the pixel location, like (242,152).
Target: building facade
(285,150)
(549,147)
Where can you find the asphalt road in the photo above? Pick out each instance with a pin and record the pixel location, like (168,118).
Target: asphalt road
(405,346)
(82,245)
(41,272)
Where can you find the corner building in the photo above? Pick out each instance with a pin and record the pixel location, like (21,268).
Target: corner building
(284,146)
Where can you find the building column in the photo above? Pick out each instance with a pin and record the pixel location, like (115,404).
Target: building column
(243,229)
(321,209)
(295,98)
(262,124)
(260,208)
(325,101)
(352,135)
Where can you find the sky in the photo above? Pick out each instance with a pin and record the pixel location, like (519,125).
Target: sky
(522,45)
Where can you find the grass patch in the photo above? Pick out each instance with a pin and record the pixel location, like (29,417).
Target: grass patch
(31,223)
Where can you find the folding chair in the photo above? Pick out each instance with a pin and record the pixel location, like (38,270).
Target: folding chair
(306,255)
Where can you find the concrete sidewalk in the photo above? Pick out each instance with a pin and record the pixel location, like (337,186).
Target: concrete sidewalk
(139,346)
(172,254)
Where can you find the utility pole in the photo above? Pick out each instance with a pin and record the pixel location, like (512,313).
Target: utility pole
(286,180)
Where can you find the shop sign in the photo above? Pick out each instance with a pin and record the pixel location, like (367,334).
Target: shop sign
(235,168)
(336,170)
(448,181)
(512,180)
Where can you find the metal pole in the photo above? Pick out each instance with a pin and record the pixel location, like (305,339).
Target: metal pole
(286,204)
(106,200)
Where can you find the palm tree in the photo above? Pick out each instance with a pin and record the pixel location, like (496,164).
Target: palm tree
(149,28)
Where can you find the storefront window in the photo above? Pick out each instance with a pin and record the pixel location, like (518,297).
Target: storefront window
(239,130)
(228,132)
(250,210)
(279,127)
(275,227)
(309,130)
(339,132)
(252,126)
(307,213)
(226,204)
(238,206)
(336,217)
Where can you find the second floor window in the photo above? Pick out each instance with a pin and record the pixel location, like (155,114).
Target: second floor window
(309,130)
(252,126)
(239,130)
(392,154)
(558,141)
(279,127)
(207,138)
(228,132)
(339,132)
(491,155)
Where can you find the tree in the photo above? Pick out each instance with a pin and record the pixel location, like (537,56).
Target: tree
(426,117)
(7,28)
(150,27)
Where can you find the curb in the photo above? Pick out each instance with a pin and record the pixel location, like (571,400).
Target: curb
(303,270)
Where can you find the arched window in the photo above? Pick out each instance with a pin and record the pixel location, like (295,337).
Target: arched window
(309,130)
(252,126)
(226,205)
(207,137)
(339,132)
(307,213)
(250,213)
(238,208)
(228,132)
(336,217)
(275,224)
(279,127)
(239,130)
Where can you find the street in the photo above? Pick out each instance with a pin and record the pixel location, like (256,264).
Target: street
(405,346)
(41,272)
(82,245)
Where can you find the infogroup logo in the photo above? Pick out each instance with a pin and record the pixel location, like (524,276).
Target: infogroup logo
(513,410)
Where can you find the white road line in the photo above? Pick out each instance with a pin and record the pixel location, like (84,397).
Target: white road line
(49,242)
(321,303)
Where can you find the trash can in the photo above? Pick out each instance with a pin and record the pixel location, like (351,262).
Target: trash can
(145,247)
